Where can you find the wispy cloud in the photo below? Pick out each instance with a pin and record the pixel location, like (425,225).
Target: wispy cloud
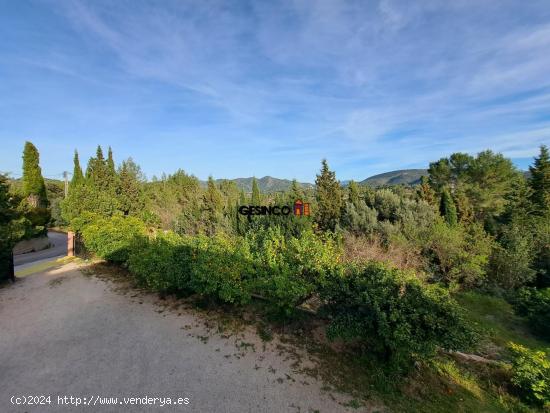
(356,81)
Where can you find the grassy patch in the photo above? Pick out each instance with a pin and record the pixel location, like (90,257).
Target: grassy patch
(497,321)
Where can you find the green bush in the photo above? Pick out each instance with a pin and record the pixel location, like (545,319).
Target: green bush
(534,304)
(394,314)
(163,262)
(112,238)
(512,258)
(222,268)
(289,270)
(458,255)
(531,374)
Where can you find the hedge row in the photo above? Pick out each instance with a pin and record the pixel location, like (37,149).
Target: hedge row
(391,311)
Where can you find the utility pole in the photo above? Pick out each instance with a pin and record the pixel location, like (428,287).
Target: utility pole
(66,176)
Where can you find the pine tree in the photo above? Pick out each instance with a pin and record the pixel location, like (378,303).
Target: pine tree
(78,176)
(256,196)
(540,180)
(448,208)
(329,198)
(33,182)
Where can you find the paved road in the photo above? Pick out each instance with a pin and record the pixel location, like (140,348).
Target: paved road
(58,249)
(63,333)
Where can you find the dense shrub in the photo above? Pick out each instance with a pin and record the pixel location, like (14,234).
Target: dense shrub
(511,259)
(535,305)
(162,262)
(531,374)
(291,269)
(222,268)
(458,255)
(111,238)
(394,313)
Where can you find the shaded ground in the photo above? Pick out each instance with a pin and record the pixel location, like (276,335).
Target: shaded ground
(58,240)
(63,333)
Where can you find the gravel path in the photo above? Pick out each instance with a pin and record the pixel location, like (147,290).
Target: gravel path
(64,333)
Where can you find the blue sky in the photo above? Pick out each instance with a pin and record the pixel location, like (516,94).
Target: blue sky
(235,88)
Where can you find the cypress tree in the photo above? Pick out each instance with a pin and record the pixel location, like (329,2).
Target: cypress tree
(540,180)
(448,208)
(95,171)
(213,204)
(111,177)
(295,191)
(129,189)
(329,198)
(33,182)
(110,162)
(78,176)
(256,196)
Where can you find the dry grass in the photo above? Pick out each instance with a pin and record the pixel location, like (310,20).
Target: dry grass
(361,249)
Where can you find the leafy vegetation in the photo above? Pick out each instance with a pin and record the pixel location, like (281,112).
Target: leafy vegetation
(459,261)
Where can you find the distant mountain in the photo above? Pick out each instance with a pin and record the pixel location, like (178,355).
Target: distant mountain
(267,184)
(400,177)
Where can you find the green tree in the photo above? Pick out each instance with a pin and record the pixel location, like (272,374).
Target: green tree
(78,176)
(448,208)
(33,182)
(213,207)
(256,196)
(540,180)
(426,192)
(353,193)
(13,227)
(329,198)
(129,191)
(110,162)
(96,171)
(296,191)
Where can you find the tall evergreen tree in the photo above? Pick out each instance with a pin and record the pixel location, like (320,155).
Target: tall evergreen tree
(213,206)
(329,198)
(129,188)
(33,182)
(110,162)
(296,191)
(540,180)
(78,176)
(256,196)
(97,167)
(448,208)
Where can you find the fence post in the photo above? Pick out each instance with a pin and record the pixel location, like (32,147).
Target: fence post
(70,244)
